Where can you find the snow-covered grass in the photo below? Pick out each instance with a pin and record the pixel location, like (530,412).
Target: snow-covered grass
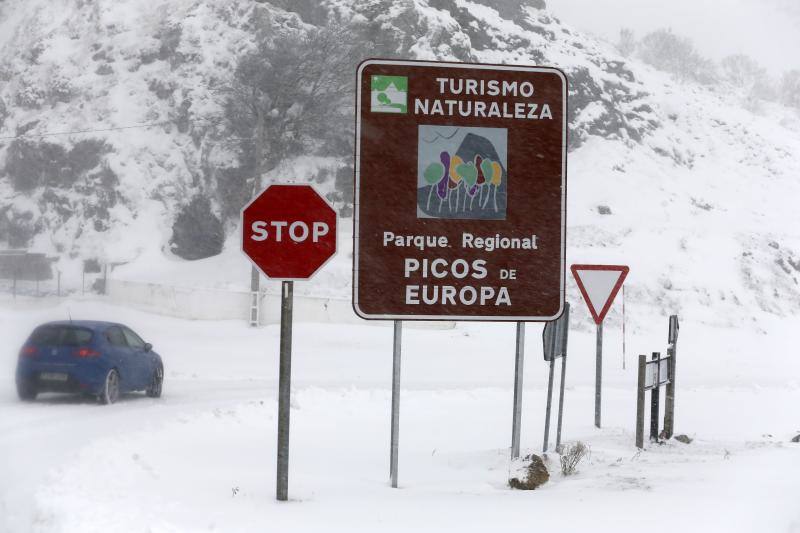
(202,458)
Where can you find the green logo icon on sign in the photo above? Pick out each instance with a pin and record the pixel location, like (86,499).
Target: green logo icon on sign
(389,94)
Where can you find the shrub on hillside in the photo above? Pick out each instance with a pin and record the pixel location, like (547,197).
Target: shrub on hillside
(744,73)
(789,90)
(31,164)
(3,113)
(674,54)
(197,232)
(17,228)
(570,456)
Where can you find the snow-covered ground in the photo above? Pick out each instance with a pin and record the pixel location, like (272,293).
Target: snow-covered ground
(202,458)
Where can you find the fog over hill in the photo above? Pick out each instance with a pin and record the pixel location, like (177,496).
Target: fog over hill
(691,186)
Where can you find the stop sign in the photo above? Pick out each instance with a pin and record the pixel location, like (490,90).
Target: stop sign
(289,231)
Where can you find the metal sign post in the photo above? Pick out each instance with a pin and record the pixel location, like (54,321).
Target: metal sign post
(516,418)
(599,285)
(672,348)
(554,342)
(288,233)
(561,401)
(598,374)
(563,323)
(395,437)
(284,390)
(547,409)
(623,327)
(651,375)
(640,389)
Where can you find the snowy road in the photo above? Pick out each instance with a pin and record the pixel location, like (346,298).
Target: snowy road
(202,458)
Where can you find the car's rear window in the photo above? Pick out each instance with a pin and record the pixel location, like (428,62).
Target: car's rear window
(61,336)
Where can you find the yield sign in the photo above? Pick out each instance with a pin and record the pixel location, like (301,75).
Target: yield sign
(599,285)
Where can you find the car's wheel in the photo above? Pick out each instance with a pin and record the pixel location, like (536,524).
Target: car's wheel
(156,383)
(110,392)
(26,391)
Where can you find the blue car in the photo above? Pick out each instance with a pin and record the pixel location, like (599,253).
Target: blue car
(102,359)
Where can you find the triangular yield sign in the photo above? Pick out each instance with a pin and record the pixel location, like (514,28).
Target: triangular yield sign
(599,285)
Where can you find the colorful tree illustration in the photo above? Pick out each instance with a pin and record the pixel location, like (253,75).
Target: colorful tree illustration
(481,178)
(494,176)
(455,178)
(469,174)
(451,172)
(441,188)
(432,175)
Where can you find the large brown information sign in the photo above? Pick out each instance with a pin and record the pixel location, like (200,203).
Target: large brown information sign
(460,202)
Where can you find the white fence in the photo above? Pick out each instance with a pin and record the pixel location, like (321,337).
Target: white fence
(221,304)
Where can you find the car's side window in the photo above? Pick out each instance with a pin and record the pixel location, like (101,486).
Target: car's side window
(116,337)
(134,340)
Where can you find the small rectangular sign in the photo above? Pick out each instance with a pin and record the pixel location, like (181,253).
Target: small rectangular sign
(460,191)
(554,336)
(656,367)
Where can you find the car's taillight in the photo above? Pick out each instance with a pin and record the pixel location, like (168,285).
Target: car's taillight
(28,351)
(87,352)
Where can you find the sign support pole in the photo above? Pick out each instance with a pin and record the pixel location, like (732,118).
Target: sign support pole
(623,327)
(398,332)
(284,390)
(561,401)
(669,405)
(640,401)
(565,325)
(285,256)
(254,290)
(598,379)
(547,410)
(517,411)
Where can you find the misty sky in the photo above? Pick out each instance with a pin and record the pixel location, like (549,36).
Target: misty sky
(767,30)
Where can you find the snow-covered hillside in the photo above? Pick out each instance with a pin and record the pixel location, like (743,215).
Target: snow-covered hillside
(693,187)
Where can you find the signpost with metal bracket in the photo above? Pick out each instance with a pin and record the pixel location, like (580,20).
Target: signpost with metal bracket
(554,340)
(672,351)
(599,285)
(288,233)
(652,375)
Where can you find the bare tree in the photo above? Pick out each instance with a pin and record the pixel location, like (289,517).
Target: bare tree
(286,92)
(285,96)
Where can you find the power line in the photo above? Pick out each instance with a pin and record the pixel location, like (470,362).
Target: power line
(99,130)
(74,132)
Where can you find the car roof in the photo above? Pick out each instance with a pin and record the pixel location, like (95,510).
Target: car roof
(90,324)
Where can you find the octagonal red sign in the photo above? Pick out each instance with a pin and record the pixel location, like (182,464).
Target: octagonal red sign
(289,231)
